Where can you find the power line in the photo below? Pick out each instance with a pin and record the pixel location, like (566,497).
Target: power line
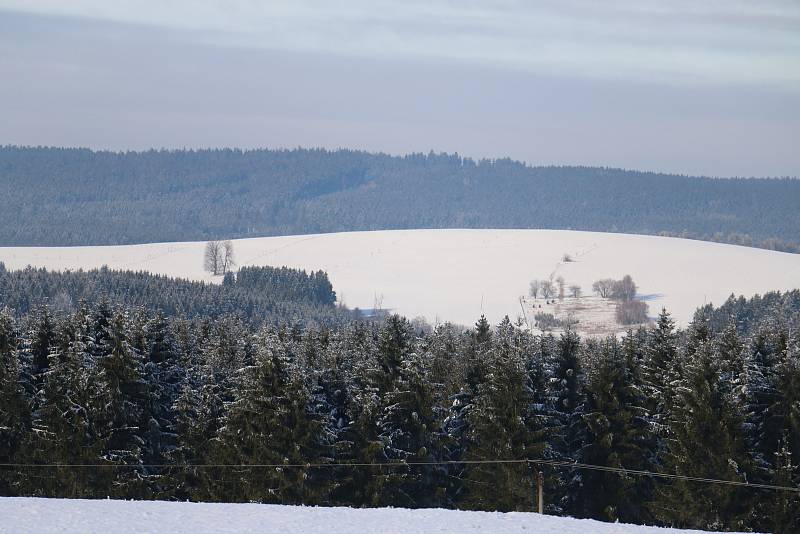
(395,464)
(637,472)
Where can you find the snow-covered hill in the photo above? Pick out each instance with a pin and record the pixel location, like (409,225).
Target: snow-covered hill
(74,516)
(455,274)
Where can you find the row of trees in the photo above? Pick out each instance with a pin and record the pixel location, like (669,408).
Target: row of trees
(553,288)
(214,410)
(738,238)
(257,295)
(608,288)
(628,311)
(624,289)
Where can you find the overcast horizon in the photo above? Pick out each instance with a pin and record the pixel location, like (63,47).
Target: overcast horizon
(695,88)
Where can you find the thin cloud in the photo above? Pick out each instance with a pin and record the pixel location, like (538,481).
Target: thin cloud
(677,42)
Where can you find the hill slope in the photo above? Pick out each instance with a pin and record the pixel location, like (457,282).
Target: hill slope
(81,197)
(455,275)
(27,515)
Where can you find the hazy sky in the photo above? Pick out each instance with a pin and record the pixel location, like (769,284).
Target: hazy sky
(697,87)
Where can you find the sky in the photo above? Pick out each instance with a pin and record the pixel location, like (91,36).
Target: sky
(694,87)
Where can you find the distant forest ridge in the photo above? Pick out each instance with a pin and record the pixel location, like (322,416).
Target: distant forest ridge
(66,196)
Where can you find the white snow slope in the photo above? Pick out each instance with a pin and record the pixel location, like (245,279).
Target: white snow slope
(22,515)
(453,275)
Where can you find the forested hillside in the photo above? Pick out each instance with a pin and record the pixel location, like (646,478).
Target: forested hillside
(112,401)
(80,197)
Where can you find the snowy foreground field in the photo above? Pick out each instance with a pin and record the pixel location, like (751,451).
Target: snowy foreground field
(453,275)
(43,516)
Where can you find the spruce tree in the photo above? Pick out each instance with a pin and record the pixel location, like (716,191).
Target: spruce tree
(409,434)
(729,351)
(659,371)
(566,405)
(706,439)
(775,433)
(616,435)
(348,409)
(781,511)
(395,343)
(68,427)
(268,423)
(473,367)
(499,428)
(162,378)
(40,342)
(406,421)
(14,404)
(190,419)
(765,414)
(100,342)
(119,404)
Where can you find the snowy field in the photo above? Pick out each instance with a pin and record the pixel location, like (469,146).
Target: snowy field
(67,516)
(589,315)
(453,275)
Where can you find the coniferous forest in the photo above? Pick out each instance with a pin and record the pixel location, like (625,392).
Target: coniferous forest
(115,397)
(84,197)
(257,295)
(752,313)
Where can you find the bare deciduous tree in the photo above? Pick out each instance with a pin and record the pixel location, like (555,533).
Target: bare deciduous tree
(534,289)
(625,289)
(547,288)
(561,284)
(575,291)
(228,261)
(630,312)
(219,257)
(604,287)
(212,259)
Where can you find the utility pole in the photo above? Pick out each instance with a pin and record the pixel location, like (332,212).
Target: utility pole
(538,497)
(540,490)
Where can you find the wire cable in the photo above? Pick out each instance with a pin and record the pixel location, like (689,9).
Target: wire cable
(396,464)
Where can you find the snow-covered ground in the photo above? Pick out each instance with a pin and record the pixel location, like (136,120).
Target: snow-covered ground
(43,516)
(453,275)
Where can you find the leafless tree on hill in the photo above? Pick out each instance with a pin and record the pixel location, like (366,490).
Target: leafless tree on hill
(575,291)
(625,289)
(630,312)
(561,284)
(228,260)
(534,289)
(219,257)
(604,288)
(547,288)
(212,258)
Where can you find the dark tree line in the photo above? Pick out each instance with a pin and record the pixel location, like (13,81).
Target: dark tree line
(164,404)
(283,283)
(273,295)
(750,314)
(82,197)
